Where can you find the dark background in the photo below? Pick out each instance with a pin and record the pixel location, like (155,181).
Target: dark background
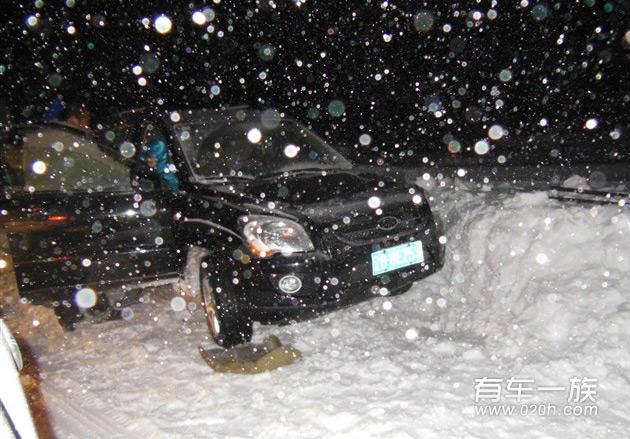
(585,74)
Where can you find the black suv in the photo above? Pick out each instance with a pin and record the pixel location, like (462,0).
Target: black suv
(265,220)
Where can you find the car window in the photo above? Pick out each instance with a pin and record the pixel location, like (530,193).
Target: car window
(253,149)
(61,160)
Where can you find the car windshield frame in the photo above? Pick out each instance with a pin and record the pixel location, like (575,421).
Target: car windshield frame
(209,132)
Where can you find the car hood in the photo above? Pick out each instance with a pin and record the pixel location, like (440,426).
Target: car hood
(324,199)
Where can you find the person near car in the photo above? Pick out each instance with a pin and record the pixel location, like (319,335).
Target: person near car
(79,116)
(156,156)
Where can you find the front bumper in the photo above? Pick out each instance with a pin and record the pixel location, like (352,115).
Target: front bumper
(338,275)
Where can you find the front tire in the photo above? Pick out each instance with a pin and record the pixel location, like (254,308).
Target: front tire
(228,326)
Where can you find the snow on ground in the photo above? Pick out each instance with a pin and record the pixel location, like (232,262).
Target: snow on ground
(532,289)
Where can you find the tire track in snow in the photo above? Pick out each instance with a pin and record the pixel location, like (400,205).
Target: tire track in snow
(78,415)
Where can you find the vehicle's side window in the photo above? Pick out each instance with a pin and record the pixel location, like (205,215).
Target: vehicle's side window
(60,160)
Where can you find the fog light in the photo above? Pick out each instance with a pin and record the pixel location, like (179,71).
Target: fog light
(290,284)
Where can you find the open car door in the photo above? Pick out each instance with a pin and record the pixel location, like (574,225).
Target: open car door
(73,219)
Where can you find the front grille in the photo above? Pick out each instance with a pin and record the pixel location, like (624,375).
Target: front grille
(350,246)
(367,233)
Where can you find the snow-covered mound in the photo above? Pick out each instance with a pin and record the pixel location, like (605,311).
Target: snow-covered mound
(576,182)
(532,288)
(521,267)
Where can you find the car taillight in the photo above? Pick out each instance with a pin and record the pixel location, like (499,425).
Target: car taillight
(58,218)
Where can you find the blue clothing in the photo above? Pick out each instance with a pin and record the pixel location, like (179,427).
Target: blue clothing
(157,148)
(54,110)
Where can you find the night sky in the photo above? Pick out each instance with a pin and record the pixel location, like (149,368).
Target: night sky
(509,81)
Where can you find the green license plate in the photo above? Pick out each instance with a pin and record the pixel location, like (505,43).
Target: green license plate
(393,258)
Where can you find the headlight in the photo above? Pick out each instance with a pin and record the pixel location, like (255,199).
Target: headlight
(267,235)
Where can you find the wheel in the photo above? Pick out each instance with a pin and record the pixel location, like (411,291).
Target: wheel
(103,310)
(190,283)
(68,314)
(228,327)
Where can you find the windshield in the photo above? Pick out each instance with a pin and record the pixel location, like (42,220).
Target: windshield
(247,148)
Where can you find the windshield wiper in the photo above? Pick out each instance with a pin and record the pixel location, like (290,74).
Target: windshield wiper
(298,171)
(225,178)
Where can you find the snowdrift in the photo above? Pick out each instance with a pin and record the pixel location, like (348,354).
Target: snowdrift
(522,267)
